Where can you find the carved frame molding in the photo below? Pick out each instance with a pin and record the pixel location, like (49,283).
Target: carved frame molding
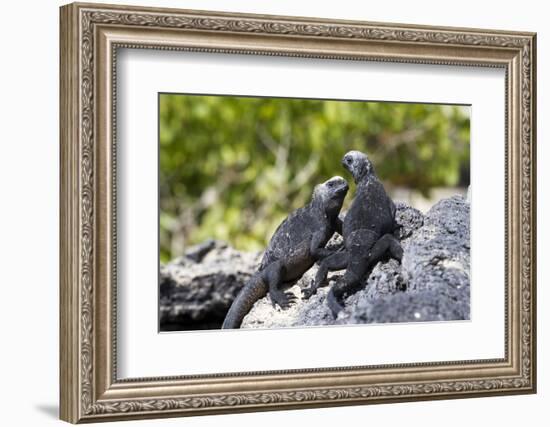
(90,36)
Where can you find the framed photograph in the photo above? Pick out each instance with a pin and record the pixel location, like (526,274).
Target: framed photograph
(266,212)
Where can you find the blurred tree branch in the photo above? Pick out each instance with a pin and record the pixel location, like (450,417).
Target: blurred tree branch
(231,168)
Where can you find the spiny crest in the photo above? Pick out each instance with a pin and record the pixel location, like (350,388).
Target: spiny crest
(319,191)
(336,180)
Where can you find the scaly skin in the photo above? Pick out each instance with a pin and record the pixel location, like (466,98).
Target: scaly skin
(293,249)
(367,231)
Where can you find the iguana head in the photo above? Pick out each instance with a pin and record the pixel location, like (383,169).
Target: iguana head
(330,194)
(358,164)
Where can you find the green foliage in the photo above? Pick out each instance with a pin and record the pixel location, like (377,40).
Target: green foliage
(233,167)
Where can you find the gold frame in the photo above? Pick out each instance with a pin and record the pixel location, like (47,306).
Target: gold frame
(90,35)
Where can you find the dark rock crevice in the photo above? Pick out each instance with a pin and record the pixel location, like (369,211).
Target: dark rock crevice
(197,289)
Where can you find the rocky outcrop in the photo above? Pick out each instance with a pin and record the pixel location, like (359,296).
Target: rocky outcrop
(431,283)
(197,289)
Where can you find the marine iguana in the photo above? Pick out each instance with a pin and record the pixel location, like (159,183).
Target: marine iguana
(368,229)
(295,246)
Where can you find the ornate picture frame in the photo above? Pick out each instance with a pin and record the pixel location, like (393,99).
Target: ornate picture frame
(90,37)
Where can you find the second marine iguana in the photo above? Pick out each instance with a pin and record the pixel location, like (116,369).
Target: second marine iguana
(367,231)
(293,249)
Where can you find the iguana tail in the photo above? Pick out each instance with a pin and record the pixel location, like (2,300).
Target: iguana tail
(255,289)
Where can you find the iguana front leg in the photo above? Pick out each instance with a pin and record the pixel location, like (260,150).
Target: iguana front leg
(336,261)
(317,248)
(361,260)
(331,261)
(358,265)
(273,276)
(387,244)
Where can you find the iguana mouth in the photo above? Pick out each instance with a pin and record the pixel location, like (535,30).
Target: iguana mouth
(341,190)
